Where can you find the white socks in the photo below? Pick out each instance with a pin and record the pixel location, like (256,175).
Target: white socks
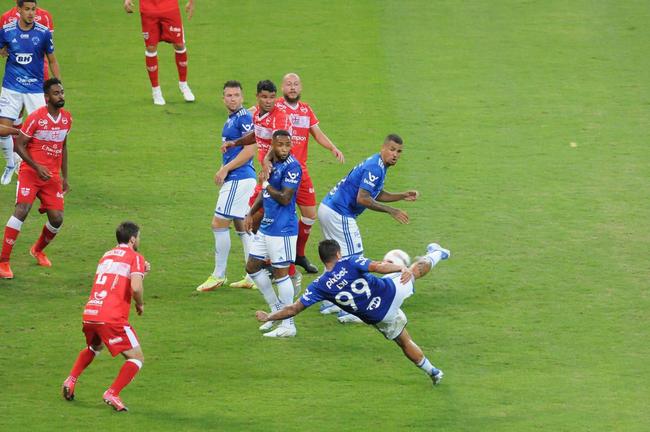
(427,367)
(434,257)
(285,292)
(264,284)
(7,148)
(15,223)
(221,251)
(246,240)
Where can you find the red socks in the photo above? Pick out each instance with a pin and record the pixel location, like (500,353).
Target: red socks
(86,356)
(304,229)
(181,65)
(48,233)
(151,59)
(11,234)
(130,368)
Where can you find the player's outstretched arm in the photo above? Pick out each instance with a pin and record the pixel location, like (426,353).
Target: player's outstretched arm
(385,267)
(247,139)
(365,199)
(286,312)
(385,196)
(323,140)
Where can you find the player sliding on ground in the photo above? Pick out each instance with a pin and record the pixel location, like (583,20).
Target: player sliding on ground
(348,283)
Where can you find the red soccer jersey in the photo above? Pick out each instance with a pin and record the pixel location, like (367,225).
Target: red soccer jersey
(158,6)
(42,17)
(265,125)
(302,118)
(48,136)
(110,298)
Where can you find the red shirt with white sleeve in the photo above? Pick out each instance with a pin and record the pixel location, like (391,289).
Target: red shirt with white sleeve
(265,125)
(48,136)
(302,118)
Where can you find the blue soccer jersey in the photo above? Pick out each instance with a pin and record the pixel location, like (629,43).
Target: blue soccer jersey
(238,124)
(350,286)
(27,50)
(281,220)
(369,175)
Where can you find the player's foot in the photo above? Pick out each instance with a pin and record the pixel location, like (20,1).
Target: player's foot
(267,326)
(282,332)
(437,377)
(328,307)
(211,283)
(7,174)
(5,271)
(40,256)
(158,98)
(348,318)
(296,280)
(244,283)
(304,262)
(433,247)
(68,389)
(187,93)
(114,401)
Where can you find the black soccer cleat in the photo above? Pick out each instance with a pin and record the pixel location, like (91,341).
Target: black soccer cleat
(303,262)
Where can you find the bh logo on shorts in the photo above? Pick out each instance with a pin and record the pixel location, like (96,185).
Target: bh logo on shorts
(24,58)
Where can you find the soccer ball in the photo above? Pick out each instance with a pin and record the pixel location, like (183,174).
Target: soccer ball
(398,256)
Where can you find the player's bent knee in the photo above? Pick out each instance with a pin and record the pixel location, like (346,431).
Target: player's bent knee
(151,48)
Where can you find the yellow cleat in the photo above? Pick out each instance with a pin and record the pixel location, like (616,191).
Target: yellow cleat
(244,283)
(212,283)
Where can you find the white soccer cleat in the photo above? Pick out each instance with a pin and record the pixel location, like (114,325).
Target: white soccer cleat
(266,326)
(7,174)
(187,92)
(282,332)
(433,247)
(158,98)
(296,280)
(348,318)
(437,377)
(327,307)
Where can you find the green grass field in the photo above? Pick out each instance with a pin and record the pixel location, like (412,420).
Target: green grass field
(539,320)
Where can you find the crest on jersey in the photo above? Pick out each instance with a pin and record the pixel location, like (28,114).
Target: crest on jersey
(36,40)
(304,110)
(101,295)
(65,121)
(42,122)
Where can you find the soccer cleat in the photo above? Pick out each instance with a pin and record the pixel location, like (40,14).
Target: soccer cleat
(433,247)
(282,332)
(158,98)
(296,280)
(68,388)
(211,284)
(327,307)
(436,378)
(40,256)
(244,283)
(266,326)
(7,174)
(187,93)
(348,318)
(5,271)
(114,401)
(304,262)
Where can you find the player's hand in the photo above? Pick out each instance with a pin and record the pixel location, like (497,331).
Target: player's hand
(262,316)
(65,186)
(407,274)
(128,6)
(411,195)
(267,167)
(43,172)
(226,145)
(189,9)
(220,176)
(400,216)
(139,308)
(4,52)
(147,267)
(338,154)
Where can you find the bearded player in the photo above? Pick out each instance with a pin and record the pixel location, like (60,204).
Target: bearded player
(42,144)
(161,22)
(119,278)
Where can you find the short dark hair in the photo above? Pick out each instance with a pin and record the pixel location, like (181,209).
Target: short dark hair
(266,85)
(232,84)
(281,132)
(125,231)
(394,138)
(327,250)
(21,3)
(49,83)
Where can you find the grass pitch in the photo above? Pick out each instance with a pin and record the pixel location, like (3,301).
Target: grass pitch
(539,320)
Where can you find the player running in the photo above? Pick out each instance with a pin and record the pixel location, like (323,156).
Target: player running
(42,144)
(119,277)
(278,232)
(161,21)
(303,124)
(377,301)
(27,44)
(237,180)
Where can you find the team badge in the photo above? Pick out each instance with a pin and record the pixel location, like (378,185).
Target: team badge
(24,191)
(36,40)
(145,35)
(42,122)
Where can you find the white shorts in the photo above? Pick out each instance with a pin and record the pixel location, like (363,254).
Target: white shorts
(12,102)
(395,320)
(341,228)
(280,250)
(233,198)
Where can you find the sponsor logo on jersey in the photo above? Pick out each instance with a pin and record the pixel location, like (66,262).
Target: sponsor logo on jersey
(24,58)
(293,177)
(59,195)
(24,36)
(334,278)
(14,40)
(113,341)
(374,303)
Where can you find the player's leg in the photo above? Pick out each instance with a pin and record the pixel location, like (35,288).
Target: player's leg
(246,240)
(173,33)
(282,251)
(151,33)
(435,254)
(221,232)
(49,231)
(12,230)
(413,352)
(11,103)
(255,269)
(129,347)
(85,357)
(306,200)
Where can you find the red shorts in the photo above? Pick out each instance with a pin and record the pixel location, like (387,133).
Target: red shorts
(164,27)
(117,337)
(30,186)
(256,192)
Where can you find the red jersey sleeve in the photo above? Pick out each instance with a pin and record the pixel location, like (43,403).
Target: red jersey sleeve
(5,17)
(30,125)
(313,120)
(137,265)
(47,20)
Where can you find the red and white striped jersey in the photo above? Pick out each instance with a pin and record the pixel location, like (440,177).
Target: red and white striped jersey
(42,17)
(265,125)
(110,298)
(302,119)
(48,136)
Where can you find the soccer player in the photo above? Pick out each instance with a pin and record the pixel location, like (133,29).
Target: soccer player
(237,180)
(303,124)
(377,301)
(42,144)
(27,43)
(119,277)
(161,21)
(278,232)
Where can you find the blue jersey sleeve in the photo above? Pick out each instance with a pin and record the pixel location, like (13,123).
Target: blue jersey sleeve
(245,123)
(361,263)
(371,179)
(311,295)
(49,43)
(292,176)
